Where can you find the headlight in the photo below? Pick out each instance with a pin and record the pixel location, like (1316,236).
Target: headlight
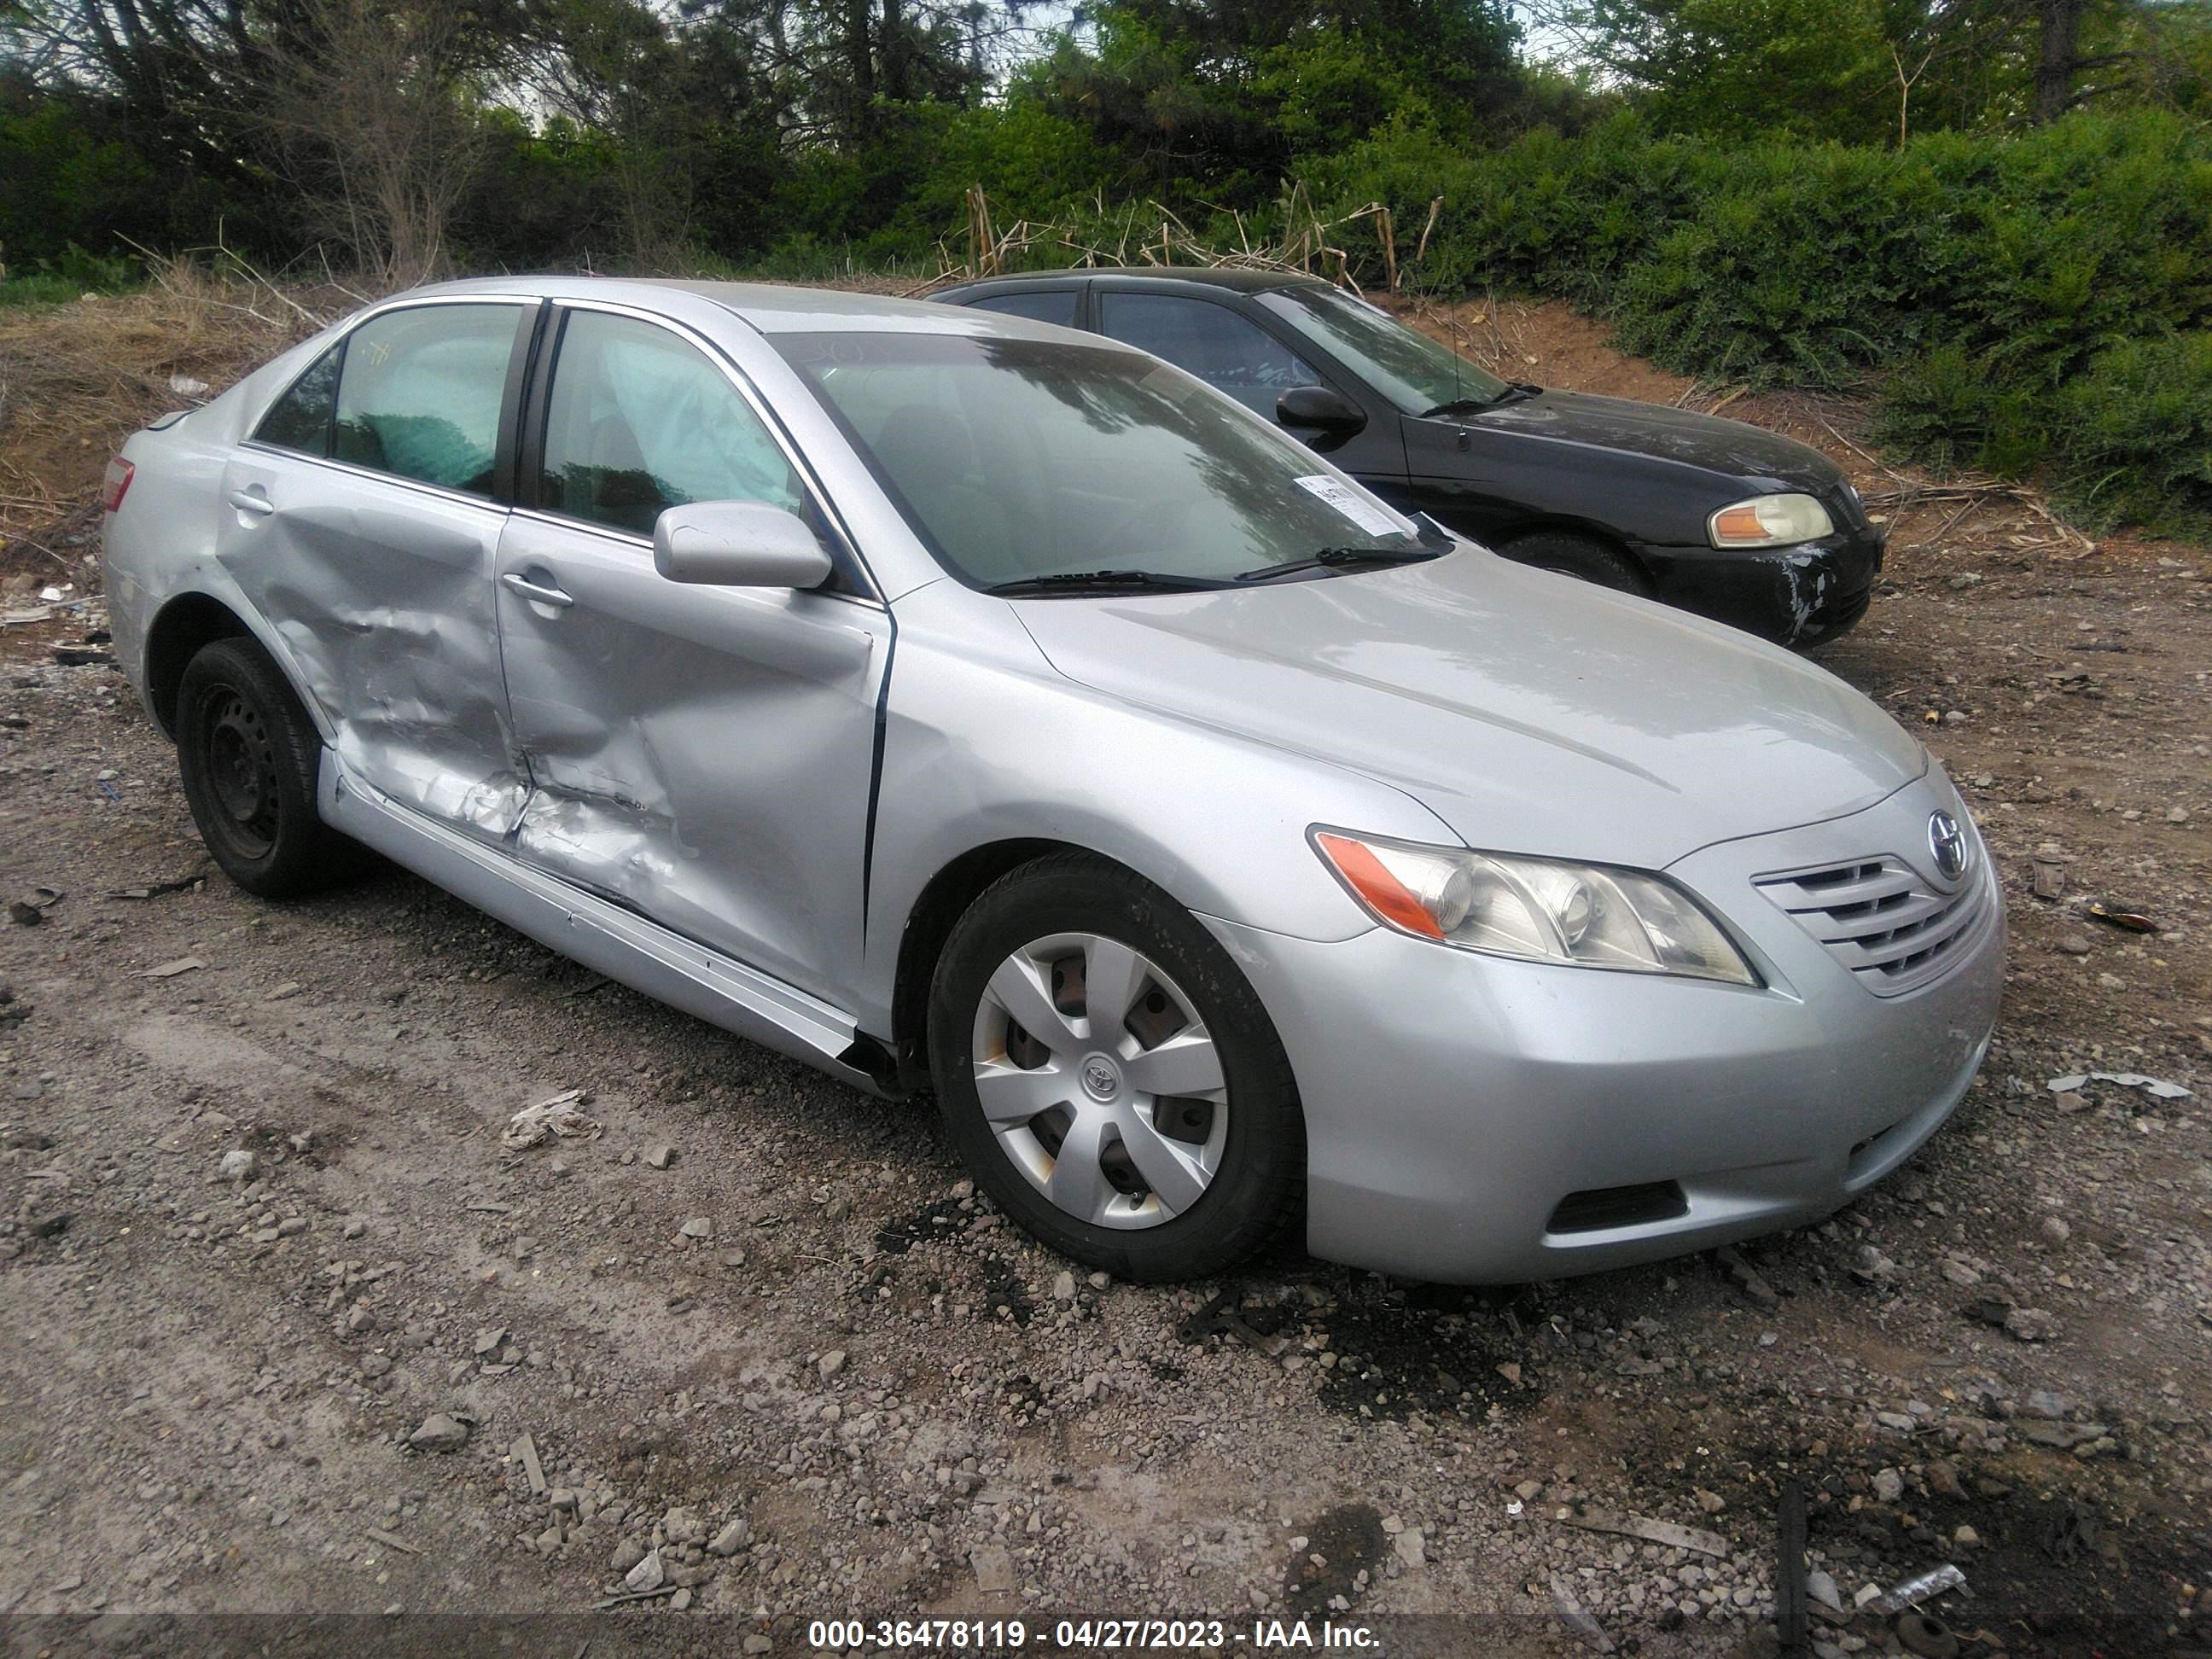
(1769,522)
(1581,915)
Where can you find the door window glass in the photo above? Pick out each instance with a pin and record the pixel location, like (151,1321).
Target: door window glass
(1043,306)
(639,421)
(301,419)
(421,392)
(1226,351)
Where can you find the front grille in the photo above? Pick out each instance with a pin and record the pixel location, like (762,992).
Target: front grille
(1895,931)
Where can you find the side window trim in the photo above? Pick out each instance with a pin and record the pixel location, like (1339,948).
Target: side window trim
(532,310)
(545,365)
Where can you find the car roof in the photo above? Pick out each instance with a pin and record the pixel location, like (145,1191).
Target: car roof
(1236,279)
(770,307)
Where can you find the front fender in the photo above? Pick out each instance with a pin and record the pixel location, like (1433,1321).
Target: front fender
(984,742)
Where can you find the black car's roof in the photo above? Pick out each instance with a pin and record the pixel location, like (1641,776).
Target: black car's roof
(1226,276)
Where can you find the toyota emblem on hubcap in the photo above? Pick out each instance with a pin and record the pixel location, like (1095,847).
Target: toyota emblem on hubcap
(1100,1079)
(1949,842)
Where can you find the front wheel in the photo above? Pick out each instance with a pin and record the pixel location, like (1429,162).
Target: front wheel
(248,755)
(1583,557)
(1110,1076)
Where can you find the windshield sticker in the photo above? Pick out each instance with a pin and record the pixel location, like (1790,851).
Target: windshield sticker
(1375,520)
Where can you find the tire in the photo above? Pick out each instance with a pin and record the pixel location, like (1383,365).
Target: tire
(1079,1141)
(1584,557)
(249,755)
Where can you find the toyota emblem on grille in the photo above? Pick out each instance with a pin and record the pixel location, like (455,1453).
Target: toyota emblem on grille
(1949,842)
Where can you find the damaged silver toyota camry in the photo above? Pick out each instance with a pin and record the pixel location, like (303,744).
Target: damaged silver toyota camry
(958,703)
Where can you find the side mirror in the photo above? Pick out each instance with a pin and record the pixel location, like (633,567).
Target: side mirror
(738,544)
(1319,408)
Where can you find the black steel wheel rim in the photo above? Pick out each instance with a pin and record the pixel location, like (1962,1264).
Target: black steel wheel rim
(241,771)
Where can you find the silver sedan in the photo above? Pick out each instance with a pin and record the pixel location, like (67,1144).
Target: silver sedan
(960,704)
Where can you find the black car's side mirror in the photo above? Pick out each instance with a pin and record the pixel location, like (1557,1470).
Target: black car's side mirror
(1319,408)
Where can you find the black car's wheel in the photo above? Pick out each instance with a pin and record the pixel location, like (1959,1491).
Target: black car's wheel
(248,754)
(1584,557)
(1110,1076)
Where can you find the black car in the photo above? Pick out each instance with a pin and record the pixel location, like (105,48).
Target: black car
(1725,519)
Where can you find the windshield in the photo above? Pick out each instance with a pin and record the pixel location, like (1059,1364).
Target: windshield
(1412,371)
(1021,460)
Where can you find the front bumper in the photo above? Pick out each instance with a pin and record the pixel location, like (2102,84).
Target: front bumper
(1795,596)
(1475,1119)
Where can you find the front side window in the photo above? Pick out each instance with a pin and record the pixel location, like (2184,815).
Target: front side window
(421,392)
(1017,459)
(1412,371)
(301,419)
(1054,305)
(639,421)
(1228,352)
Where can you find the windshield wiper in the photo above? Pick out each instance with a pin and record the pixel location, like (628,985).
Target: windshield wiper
(1101,581)
(1335,558)
(1516,392)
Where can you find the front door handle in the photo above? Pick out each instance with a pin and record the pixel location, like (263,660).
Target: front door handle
(537,595)
(251,500)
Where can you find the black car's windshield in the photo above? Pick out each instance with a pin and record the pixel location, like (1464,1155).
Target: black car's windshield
(1410,369)
(1018,460)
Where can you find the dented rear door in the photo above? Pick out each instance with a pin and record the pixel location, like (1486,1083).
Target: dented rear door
(703,755)
(361,520)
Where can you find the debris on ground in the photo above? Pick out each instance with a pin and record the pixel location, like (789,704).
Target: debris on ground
(1576,1616)
(2156,1088)
(1921,1587)
(1666,1533)
(2114,914)
(556,1118)
(171,969)
(441,1431)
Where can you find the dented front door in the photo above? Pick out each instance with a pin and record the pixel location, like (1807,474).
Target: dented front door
(358,521)
(704,755)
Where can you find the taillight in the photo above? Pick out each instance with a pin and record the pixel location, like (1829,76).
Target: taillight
(117,481)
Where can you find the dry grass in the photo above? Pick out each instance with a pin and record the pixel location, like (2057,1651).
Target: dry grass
(76,380)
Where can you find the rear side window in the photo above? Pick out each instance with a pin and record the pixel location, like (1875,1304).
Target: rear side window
(301,419)
(1040,306)
(421,392)
(639,421)
(1229,353)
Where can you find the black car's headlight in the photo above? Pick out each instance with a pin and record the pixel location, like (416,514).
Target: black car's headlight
(1583,916)
(1769,522)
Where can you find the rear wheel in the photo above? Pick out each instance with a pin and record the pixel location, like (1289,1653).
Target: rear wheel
(248,755)
(1583,557)
(1111,1077)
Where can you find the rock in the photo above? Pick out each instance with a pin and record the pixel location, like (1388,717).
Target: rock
(239,1166)
(2030,1325)
(732,1537)
(1063,1286)
(628,1554)
(647,1574)
(758,1645)
(1943,1479)
(1888,1486)
(2075,944)
(681,1599)
(2177,815)
(1822,1587)
(1529,1491)
(440,1432)
(697,1227)
(490,1342)
(660,1158)
(734,1258)
(1411,1548)
(830,1363)
(353,1227)
(2070,1102)
(994,1569)
(1100,1282)
(2049,1405)
(682,1526)
(2054,1230)
(1966,1537)
(836,1210)
(1710,1502)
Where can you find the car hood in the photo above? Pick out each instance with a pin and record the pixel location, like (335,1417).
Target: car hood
(1728,447)
(1531,713)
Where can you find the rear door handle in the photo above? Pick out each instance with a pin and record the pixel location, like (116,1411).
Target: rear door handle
(537,595)
(251,500)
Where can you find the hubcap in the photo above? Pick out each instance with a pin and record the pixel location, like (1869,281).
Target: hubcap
(1100,1081)
(241,765)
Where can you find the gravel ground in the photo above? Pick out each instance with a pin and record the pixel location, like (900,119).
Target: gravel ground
(290,1330)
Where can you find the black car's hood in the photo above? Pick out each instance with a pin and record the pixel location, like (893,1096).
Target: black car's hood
(1728,447)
